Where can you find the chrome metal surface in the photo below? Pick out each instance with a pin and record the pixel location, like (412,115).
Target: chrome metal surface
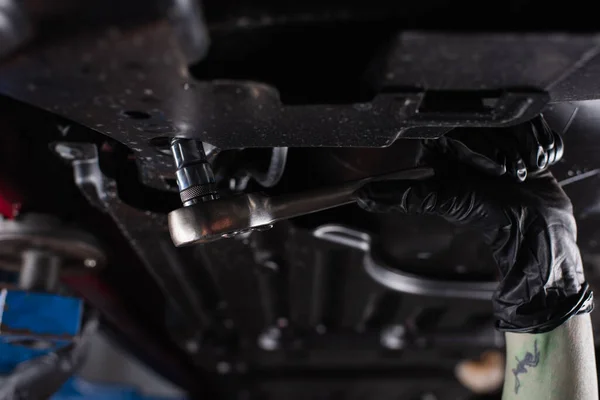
(343,235)
(195,178)
(76,249)
(394,278)
(187,152)
(197,175)
(40,271)
(206,222)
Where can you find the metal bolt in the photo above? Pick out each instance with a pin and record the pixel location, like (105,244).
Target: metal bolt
(393,337)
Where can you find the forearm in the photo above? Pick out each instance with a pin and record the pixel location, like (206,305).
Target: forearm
(556,365)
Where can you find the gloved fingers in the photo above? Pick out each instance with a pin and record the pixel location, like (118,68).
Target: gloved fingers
(550,140)
(488,160)
(494,152)
(517,151)
(451,199)
(537,144)
(507,144)
(392,196)
(545,135)
(515,165)
(382,196)
(557,151)
(529,144)
(482,157)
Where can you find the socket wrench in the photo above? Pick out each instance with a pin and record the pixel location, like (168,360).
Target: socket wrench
(222,218)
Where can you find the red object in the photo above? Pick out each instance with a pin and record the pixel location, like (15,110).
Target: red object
(10,202)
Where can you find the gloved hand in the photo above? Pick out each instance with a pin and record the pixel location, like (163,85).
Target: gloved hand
(529,224)
(517,151)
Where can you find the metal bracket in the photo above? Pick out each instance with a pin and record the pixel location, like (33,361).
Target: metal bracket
(145,231)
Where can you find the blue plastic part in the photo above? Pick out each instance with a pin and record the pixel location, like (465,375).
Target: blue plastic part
(12,354)
(32,315)
(34,324)
(79,389)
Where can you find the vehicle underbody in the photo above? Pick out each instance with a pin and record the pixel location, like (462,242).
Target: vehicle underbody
(284,98)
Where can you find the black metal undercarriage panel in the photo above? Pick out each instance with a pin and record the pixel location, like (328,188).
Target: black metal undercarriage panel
(286,313)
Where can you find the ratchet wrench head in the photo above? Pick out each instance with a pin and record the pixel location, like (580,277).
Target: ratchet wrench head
(213,220)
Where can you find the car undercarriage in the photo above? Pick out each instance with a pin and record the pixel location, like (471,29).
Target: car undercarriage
(186,169)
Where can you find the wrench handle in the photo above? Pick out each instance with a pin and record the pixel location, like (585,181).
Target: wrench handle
(206,222)
(293,205)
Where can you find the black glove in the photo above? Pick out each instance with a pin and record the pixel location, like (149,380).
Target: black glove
(517,151)
(528,224)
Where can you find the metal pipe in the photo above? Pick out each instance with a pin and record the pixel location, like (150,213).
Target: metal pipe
(404,282)
(274,172)
(394,278)
(40,271)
